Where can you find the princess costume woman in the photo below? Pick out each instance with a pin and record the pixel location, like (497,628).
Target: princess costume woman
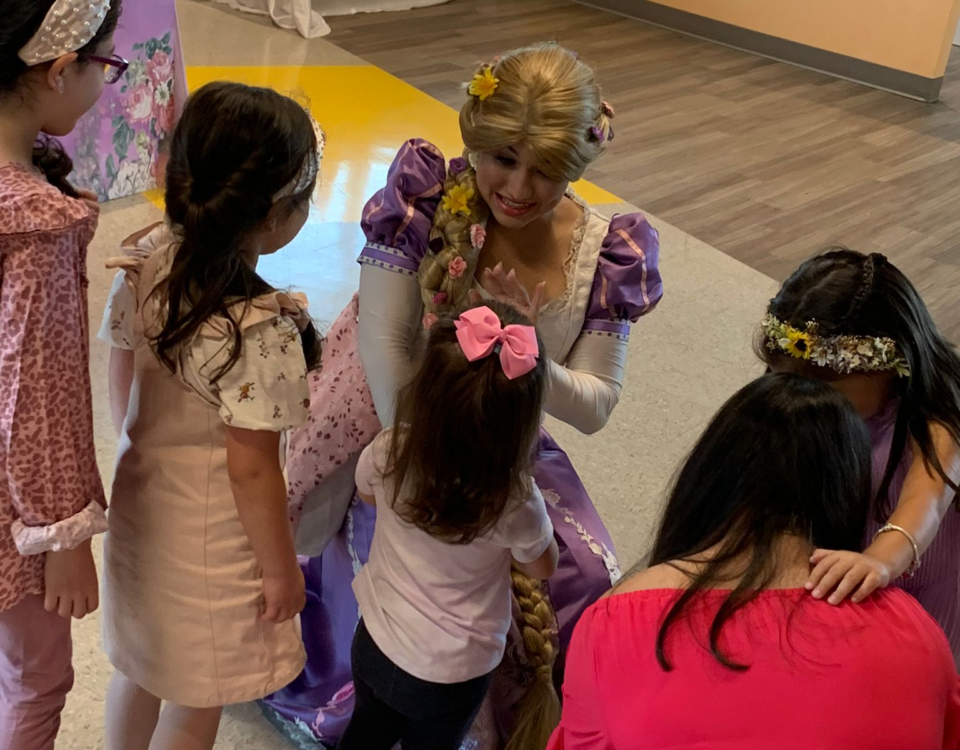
(436,232)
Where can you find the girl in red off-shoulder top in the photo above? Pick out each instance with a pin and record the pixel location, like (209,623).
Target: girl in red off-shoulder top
(719,645)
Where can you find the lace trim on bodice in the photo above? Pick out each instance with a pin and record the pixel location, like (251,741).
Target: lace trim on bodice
(570,263)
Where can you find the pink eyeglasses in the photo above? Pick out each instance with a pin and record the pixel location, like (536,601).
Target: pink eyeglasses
(113,67)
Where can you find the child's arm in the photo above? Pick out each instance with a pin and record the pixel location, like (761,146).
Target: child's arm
(924,500)
(121,378)
(253,463)
(544,566)
(367,474)
(530,526)
(50,468)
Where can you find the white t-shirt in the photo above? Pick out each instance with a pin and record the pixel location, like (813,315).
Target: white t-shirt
(441,611)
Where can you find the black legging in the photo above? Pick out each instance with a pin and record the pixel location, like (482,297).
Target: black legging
(394,706)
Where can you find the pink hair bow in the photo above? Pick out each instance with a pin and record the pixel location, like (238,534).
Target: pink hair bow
(480,332)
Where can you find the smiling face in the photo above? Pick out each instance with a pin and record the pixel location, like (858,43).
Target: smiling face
(512,184)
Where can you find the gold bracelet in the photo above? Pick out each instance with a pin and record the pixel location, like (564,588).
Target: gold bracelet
(915,565)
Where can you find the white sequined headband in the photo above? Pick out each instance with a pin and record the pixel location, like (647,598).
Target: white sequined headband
(310,168)
(68,26)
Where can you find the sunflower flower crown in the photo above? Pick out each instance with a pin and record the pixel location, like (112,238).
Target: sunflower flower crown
(842,354)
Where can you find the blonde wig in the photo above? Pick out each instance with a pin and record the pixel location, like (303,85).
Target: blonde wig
(546,99)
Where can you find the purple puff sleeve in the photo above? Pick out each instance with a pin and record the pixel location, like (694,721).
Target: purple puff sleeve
(397,220)
(627,284)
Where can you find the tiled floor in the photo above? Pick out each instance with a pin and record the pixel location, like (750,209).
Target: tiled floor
(685,358)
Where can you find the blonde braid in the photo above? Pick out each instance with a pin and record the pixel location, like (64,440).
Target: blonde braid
(538,712)
(449,239)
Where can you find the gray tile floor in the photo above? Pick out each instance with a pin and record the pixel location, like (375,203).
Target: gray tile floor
(685,359)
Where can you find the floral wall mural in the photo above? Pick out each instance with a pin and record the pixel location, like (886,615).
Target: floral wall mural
(118,146)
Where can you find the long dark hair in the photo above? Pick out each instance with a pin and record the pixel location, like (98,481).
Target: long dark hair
(850,293)
(785,455)
(233,150)
(465,437)
(21,20)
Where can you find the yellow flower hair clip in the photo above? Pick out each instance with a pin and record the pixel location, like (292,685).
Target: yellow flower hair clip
(484,84)
(457,201)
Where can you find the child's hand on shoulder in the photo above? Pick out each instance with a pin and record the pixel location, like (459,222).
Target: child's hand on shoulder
(70,582)
(845,573)
(283,594)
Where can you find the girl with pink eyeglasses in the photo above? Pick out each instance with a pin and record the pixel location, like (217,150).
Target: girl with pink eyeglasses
(55,57)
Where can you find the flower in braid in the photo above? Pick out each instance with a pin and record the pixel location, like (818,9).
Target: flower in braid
(444,289)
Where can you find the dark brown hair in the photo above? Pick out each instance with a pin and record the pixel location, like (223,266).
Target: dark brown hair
(850,293)
(465,437)
(785,455)
(233,150)
(21,20)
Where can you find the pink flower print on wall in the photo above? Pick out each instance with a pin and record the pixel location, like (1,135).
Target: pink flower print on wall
(160,68)
(141,103)
(144,121)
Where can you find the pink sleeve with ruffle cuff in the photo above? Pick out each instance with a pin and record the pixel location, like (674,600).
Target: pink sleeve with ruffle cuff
(62,535)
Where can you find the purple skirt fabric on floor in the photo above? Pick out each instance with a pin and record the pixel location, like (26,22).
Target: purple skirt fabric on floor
(314,710)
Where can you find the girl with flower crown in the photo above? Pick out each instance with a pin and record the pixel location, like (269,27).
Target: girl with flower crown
(858,323)
(55,57)
(501,221)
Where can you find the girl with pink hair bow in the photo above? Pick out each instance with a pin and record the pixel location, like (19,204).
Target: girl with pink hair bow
(456,506)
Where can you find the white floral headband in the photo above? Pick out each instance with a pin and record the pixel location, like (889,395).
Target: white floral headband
(842,354)
(310,168)
(68,26)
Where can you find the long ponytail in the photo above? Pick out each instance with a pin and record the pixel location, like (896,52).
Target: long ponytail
(223,184)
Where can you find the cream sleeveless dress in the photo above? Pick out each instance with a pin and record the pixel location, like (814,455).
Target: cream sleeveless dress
(181,583)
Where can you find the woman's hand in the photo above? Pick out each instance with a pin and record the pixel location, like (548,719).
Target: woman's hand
(70,582)
(844,573)
(283,595)
(504,287)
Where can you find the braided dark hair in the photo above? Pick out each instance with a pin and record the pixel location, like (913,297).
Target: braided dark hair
(851,293)
(870,263)
(220,188)
(21,20)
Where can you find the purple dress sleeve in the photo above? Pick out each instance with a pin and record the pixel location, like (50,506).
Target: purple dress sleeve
(627,284)
(397,220)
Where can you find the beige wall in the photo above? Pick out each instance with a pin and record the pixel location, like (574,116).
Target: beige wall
(910,35)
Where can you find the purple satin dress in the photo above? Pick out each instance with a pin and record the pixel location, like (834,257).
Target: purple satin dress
(936,584)
(315,709)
